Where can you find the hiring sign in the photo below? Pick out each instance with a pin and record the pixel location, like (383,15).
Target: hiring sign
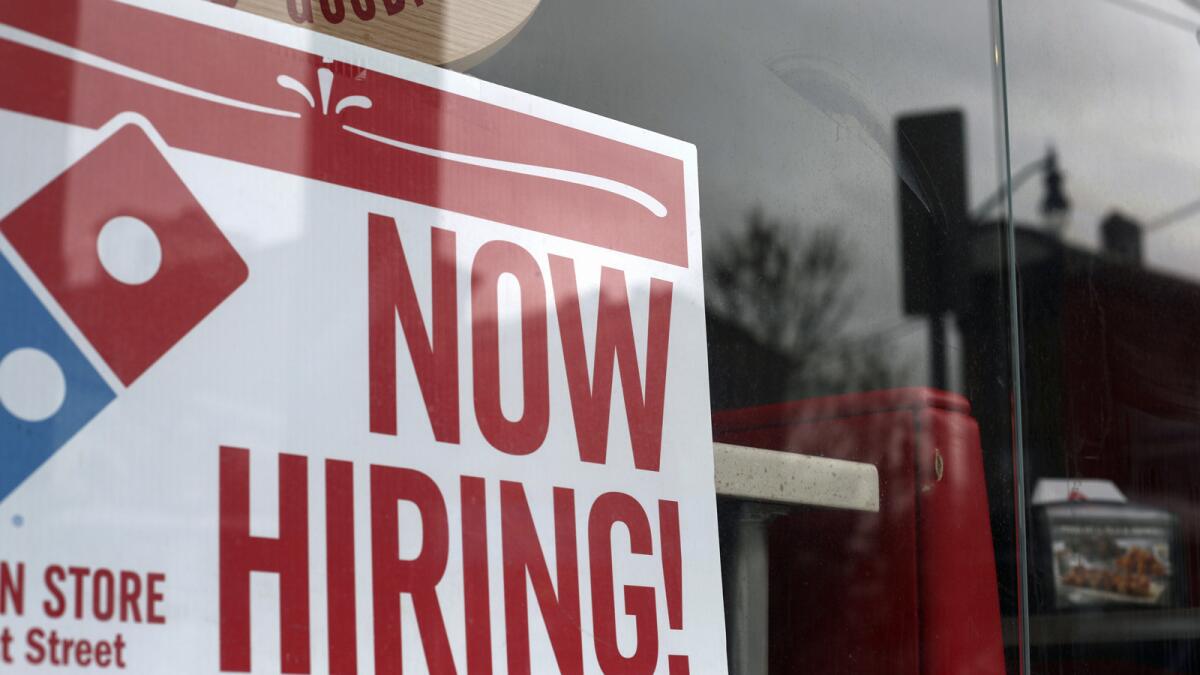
(319,360)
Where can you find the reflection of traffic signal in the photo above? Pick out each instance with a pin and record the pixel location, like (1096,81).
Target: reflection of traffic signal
(932,191)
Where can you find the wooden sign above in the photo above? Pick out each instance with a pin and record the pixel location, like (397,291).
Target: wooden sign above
(453,33)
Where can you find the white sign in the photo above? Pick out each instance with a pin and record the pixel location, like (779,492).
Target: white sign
(319,360)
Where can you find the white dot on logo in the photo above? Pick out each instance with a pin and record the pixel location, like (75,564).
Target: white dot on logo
(32,386)
(129,250)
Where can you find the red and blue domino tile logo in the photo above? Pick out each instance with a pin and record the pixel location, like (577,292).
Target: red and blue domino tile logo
(131,259)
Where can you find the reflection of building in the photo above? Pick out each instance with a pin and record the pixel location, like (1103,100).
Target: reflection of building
(1110,354)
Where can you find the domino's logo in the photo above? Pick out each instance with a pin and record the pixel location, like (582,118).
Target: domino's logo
(129,260)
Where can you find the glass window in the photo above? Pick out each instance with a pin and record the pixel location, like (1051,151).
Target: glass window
(290,286)
(1104,204)
(858,306)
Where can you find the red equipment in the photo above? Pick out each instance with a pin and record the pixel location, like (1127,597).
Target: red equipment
(910,589)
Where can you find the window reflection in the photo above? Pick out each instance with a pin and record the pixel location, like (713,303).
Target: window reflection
(815,346)
(1108,291)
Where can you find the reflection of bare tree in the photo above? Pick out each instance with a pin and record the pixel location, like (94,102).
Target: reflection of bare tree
(788,289)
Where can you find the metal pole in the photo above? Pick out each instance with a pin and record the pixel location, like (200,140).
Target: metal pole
(750,590)
(937,351)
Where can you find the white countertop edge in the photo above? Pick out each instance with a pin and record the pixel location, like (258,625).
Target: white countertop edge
(791,478)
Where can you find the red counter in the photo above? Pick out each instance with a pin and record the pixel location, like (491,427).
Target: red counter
(910,589)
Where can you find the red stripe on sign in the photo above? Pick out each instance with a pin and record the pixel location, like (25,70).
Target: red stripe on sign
(228,95)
